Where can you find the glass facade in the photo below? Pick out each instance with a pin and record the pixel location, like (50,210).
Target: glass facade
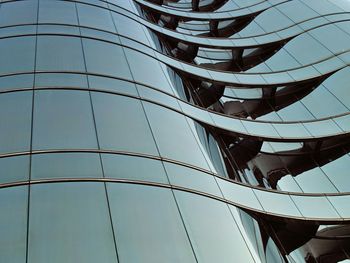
(160,131)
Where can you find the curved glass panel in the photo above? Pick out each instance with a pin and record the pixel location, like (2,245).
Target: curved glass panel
(70,115)
(13,223)
(69,215)
(116,130)
(65,165)
(228,243)
(16,116)
(140,227)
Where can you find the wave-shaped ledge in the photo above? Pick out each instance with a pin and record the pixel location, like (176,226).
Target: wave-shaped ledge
(223,15)
(334,209)
(315,130)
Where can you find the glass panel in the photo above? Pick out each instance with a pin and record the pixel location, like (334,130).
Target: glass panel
(291,130)
(323,128)
(174,138)
(287,183)
(66,165)
(58,30)
(17,30)
(191,178)
(305,49)
(98,34)
(59,53)
(251,231)
(21,12)
(147,70)
(69,222)
(15,125)
(227,123)
(223,241)
(13,224)
(277,203)
(95,17)
(133,168)
(159,97)
(210,148)
(196,113)
(315,181)
(241,195)
(337,85)
(283,58)
(17,54)
(294,112)
(123,25)
(338,172)
(105,58)
(260,129)
(341,204)
(57,12)
(334,107)
(272,253)
(146,218)
(121,124)
(16,82)
(13,169)
(114,85)
(332,36)
(63,119)
(307,204)
(60,80)
(125,5)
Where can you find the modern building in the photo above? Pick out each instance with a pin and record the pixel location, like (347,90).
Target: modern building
(203,131)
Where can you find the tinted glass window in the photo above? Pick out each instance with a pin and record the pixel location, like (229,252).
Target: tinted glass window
(18,12)
(69,222)
(70,165)
(17,54)
(16,82)
(204,215)
(148,72)
(60,80)
(14,169)
(114,85)
(133,168)
(59,53)
(105,58)
(174,138)
(121,124)
(146,218)
(13,224)
(63,119)
(95,17)
(191,178)
(15,125)
(57,12)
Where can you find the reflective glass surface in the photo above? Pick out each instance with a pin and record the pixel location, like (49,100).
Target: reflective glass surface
(146,218)
(105,58)
(174,143)
(14,169)
(15,127)
(174,131)
(13,223)
(59,53)
(70,116)
(133,168)
(66,165)
(225,243)
(191,178)
(122,125)
(17,54)
(69,215)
